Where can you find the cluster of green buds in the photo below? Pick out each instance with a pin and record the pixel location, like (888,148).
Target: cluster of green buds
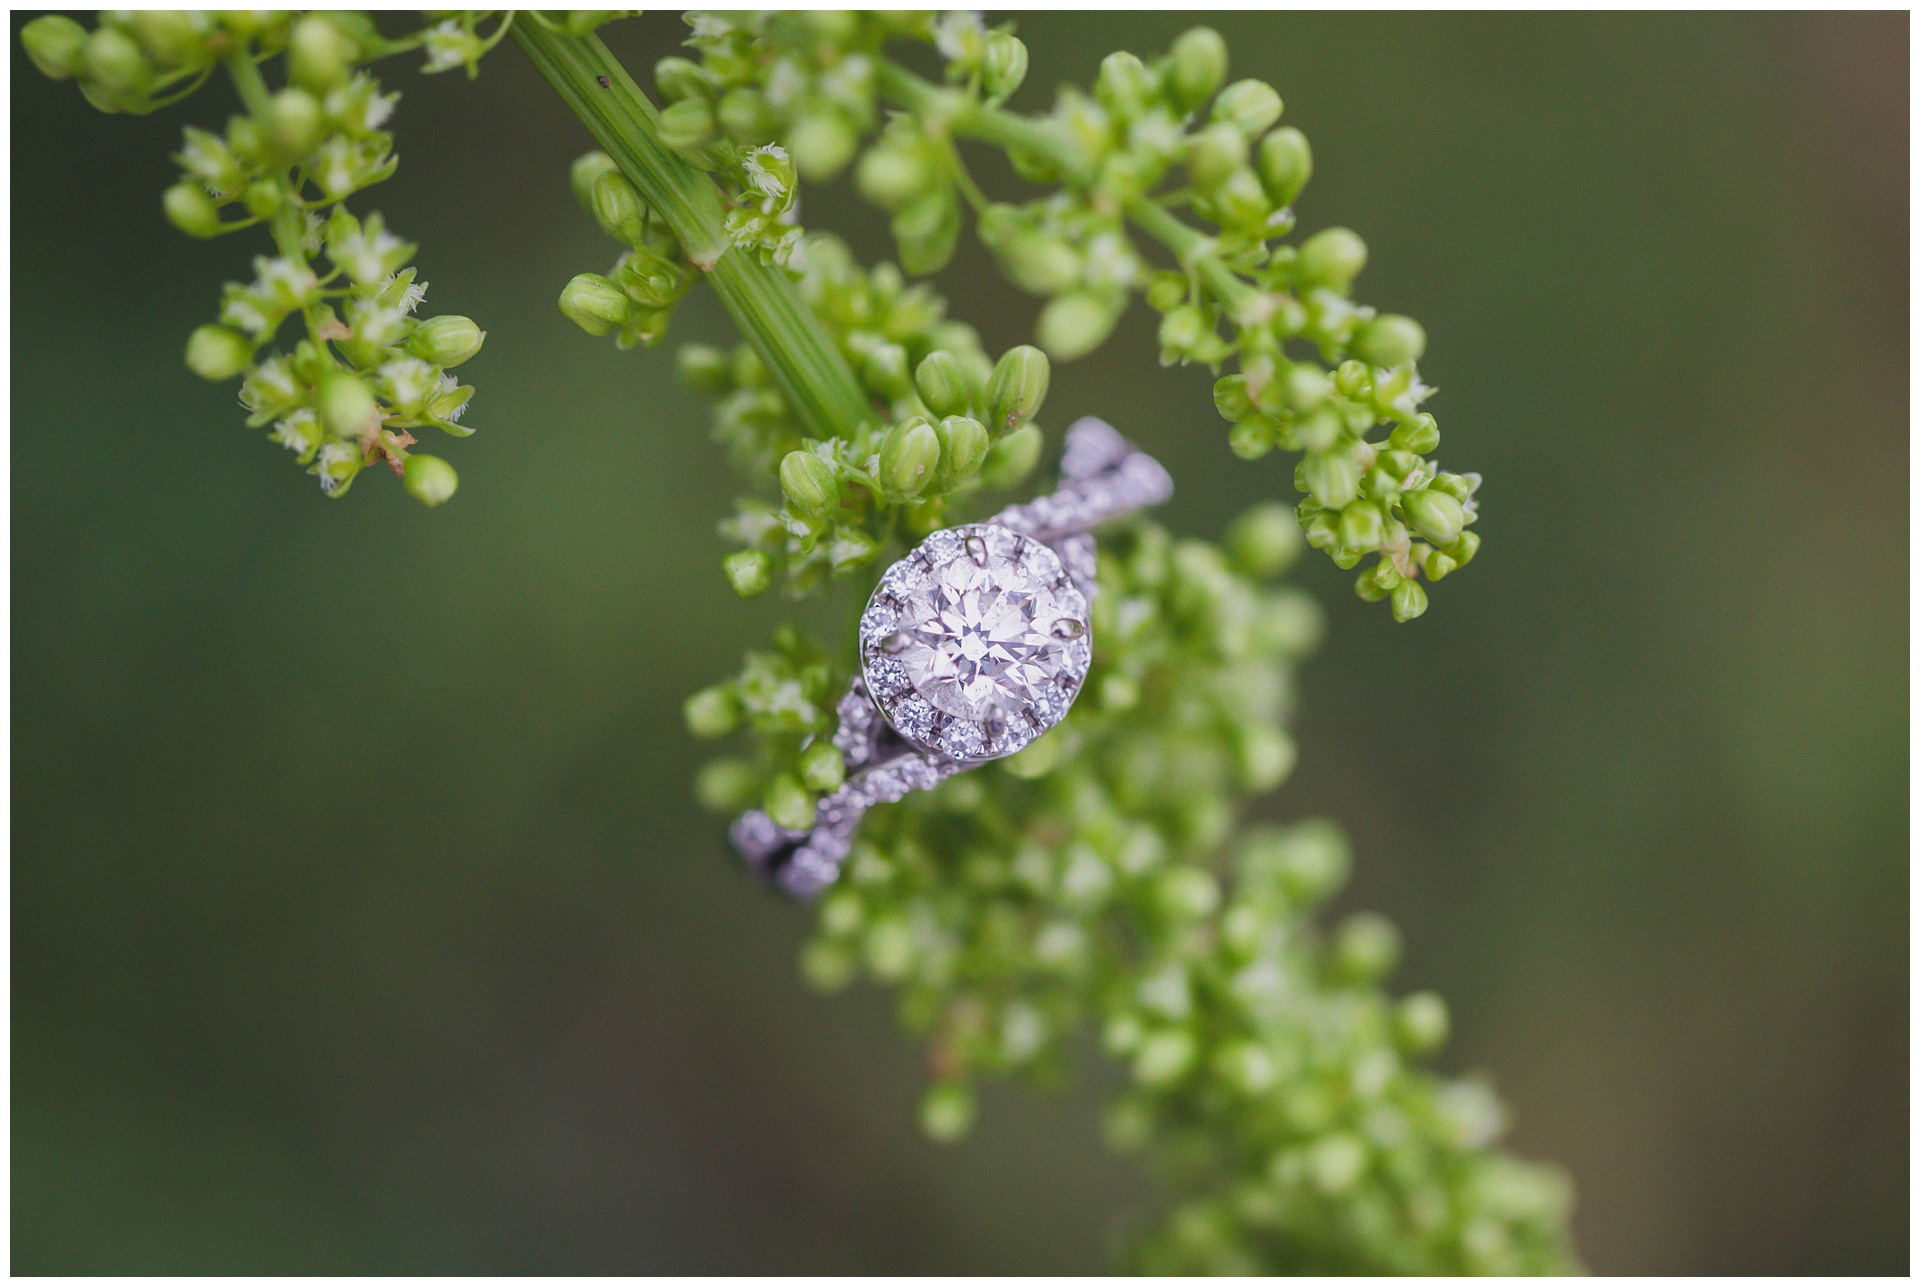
(785,697)
(635,301)
(367,371)
(1100,877)
(1318,374)
(949,422)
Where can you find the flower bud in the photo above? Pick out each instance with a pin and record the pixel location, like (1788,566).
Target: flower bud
(712,712)
(1253,437)
(1239,203)
(909,458)
(1389,341)
(595,304)
(1409,601)
(1164,1057)
(1124,85)
(749,572)
(1003,65)
(679,78)
(810,484)
(1165,290)
(726,785)
(56,44)
(1420,434)
(114,65)
(687,125)
(446,341)
(788,803)
(263,198)
(884,368)
(319,54)
(942,384)
(963,448)
(1435,515)
(1438,564)
(1331,478)
(1039,262)
(1215,153)
(822,142)
(1075,324)
(1250,106)
(1420,1023)
(821,767)
(745,116)
(1463,550)
(927,231)
(586,172)
(174,37)
(1362,525)
(191,210)
(1286,163)
(1331,258)
(705,369)
(346,404)
(1196,67)
(891,175)
(1018,387)
(1366,947)
(617,208)
(1264,541)
(1230,398)
(946,1112)
(295,124)
(429,479)
(1013,457)
(216,353)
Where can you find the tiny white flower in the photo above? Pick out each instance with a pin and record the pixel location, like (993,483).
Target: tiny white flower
(336,459)
(409,384)
(958,34)
(298,432)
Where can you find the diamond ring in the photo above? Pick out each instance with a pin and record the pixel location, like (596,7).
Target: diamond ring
(971,646)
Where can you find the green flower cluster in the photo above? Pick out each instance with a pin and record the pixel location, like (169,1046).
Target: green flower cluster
(949,422)
(1317,373)
(786,697)
(1101,877)
(367,371)
(635,301)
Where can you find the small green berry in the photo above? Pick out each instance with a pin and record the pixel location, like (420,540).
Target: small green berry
(1250,106)
(909,458)
(595,304)
(712,712)
(1285,162)
(963,448)
(1435,515)
(346,404)
(821,766)
(447,340)
(1197,67)
(788,803)
(1332,258)
(585,173)
(1013,457)
(1389,340)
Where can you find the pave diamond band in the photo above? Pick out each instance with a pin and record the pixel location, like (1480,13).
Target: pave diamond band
(971,647)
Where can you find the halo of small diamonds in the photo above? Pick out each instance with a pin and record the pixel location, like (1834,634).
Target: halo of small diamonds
(976,643)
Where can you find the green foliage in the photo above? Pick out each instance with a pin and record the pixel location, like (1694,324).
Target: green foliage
(1103,878)
(366,372)
(1317,373)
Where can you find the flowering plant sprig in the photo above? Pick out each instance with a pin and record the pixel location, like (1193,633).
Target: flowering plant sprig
(1104,876)
(367,371)
(1317,374)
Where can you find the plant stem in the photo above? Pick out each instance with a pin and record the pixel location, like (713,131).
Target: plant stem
(810,369)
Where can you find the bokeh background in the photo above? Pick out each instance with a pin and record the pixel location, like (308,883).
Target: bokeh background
(362,920)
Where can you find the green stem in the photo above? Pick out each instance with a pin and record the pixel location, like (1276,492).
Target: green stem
(811,370)
(1193,248)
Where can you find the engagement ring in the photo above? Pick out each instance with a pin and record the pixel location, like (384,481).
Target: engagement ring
(971,647)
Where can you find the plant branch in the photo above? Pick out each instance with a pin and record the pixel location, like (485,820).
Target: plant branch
(811,371)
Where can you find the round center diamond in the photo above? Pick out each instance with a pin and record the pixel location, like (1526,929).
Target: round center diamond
(975,643)
(979,639)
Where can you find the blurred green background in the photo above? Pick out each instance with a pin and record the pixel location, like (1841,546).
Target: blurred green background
(362,920)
